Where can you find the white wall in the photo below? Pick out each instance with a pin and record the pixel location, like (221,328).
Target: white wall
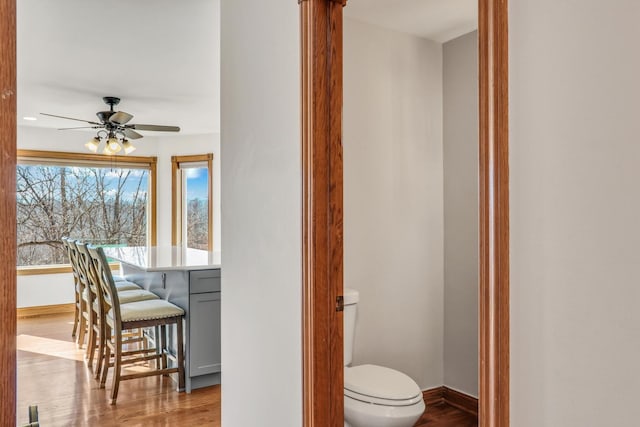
(460,78)
(56,288)
(261,227)
(575,209)
(393,198)
(167,146)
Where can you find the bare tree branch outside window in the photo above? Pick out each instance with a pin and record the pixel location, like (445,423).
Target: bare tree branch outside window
(102,205)
(195,196)
(198,223)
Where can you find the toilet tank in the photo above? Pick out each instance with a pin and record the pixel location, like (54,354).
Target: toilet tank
(351,298)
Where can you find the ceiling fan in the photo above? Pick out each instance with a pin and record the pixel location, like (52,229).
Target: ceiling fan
(114,128)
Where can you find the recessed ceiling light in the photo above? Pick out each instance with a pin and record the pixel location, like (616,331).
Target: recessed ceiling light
(30,118)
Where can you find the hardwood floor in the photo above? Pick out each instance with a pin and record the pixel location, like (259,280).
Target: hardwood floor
(52,374)
(443,415)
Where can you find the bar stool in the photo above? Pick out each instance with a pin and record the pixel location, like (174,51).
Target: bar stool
(127,292)
(121,317)
(80,280)
(76,288)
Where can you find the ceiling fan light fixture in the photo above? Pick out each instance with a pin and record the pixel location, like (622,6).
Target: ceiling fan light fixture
(114,144)
(114,129)
(92,145)
(107,151)
(128,146)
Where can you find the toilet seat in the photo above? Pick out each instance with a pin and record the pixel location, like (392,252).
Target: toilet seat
(378,385)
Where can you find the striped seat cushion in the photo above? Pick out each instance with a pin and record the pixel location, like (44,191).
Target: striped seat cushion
(146,310)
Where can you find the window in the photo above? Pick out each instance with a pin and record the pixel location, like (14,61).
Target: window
(91,197)
(192,202)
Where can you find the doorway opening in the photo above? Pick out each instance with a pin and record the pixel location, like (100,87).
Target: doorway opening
(322,85)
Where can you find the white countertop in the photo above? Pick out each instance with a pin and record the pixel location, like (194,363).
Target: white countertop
(162,258)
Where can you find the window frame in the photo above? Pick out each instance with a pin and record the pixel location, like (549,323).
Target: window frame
(177,200)
(56,157)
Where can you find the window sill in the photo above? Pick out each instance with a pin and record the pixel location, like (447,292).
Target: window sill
(52,269)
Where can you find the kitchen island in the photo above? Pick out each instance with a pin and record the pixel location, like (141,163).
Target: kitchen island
(190,279)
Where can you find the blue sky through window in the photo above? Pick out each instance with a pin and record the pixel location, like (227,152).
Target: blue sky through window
(197,183)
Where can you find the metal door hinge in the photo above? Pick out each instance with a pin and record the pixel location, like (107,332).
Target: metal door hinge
(339,303)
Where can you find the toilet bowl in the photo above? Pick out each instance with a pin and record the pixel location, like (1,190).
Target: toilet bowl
(375,396)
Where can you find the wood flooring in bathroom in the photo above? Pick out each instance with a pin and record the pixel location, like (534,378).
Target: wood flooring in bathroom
(444,415)
(52,374)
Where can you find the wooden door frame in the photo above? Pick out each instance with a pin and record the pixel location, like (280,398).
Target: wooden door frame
(321,36)
(8,125)
(321,78)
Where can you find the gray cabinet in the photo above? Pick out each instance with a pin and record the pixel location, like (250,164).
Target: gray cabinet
(197,292)
(203,355)
(204,320)
(204,348)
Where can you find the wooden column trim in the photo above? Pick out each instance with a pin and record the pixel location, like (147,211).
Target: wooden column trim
(322,251)
(494,213)
(174,201)
(153,218)
(210,200)
(7,212)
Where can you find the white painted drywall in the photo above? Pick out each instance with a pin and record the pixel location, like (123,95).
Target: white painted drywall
(393,198)
(261,227)
(57,288)
(575,209)
(460,80)
(168,146)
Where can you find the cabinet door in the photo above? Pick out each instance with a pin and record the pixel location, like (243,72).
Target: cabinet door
(204,339)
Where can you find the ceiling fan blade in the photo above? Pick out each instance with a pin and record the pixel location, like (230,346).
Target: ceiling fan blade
(156,128)
(131,134)
(81,127)
(120,117)
(71,118)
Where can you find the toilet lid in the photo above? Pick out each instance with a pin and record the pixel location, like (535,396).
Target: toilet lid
(380,382)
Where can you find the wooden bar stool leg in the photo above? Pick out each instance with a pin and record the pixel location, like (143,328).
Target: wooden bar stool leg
(164,347)
(101,350)
(117,367)
(180,350)
(158,346)
(82,331)
(76,316)
(106,358)
(91,348)
(91,341)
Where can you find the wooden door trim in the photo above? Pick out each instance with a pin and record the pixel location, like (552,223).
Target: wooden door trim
(321,65)
(8,125)
(321,37)
(494,213)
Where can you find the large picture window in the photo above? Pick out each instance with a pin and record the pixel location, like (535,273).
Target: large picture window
(94,198)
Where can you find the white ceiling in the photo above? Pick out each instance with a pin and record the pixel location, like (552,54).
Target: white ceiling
(161,57)
(439,20)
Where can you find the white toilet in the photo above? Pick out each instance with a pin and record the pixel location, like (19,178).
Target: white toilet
(375,396)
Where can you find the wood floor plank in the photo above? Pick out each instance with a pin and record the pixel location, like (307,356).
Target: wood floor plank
(443,415)
(53,375)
